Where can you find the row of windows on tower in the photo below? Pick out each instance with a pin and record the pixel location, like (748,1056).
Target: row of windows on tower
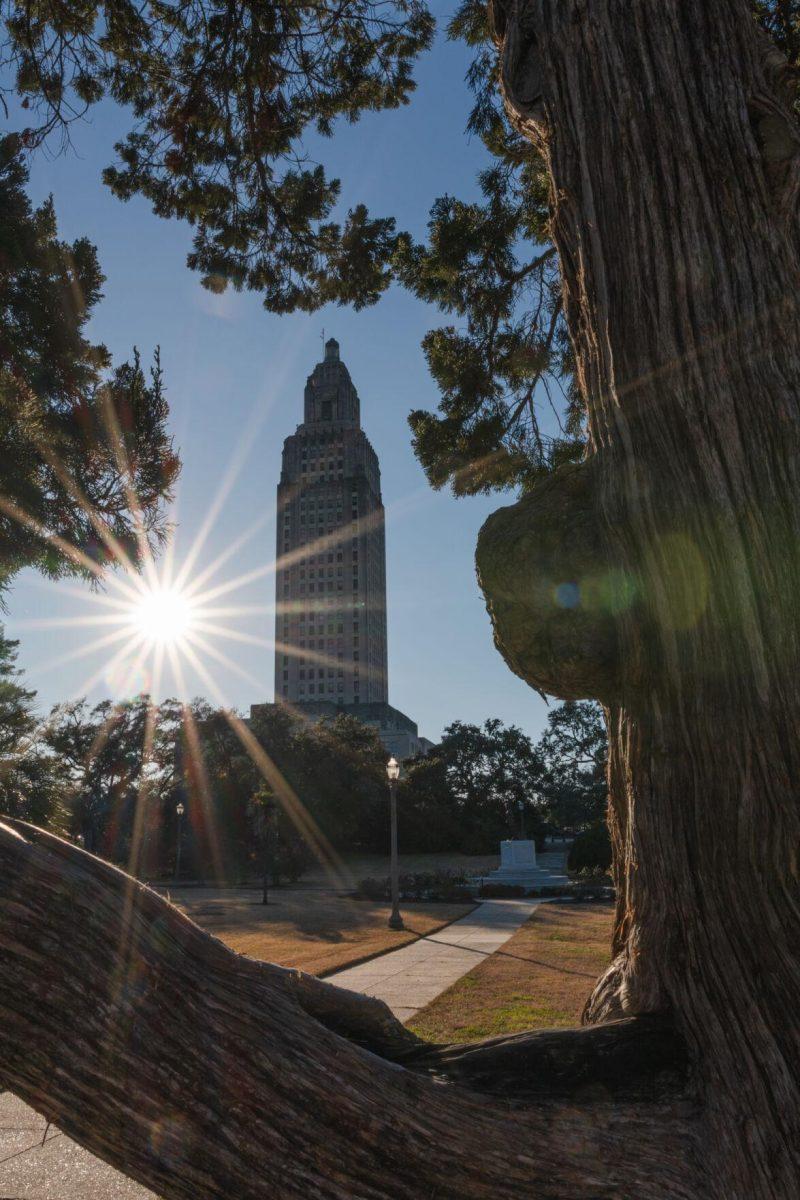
(332,511)
(318,629)
(330,450)
(355,656)
(328,446)
(328,554)
(313,560)
(343,609)
(314,687)
(320,586)
(333,627)
(308,536)
(329,500)
(336,644)
(320,673)
(318,574)
(321,691)
(326,451)
(334,468)
(321,569)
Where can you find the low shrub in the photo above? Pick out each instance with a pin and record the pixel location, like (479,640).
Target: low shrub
(445,886)
(591,850)
(502,891)
(372,889)
(600,890)
(593,876)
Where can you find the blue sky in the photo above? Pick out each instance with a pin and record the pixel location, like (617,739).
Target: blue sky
(235,376)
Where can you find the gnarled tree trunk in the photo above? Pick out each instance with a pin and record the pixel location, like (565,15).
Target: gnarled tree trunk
(674,154)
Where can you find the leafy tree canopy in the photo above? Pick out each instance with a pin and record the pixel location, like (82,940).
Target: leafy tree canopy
(113,759)
(221,95)
(574,750)
(480,784)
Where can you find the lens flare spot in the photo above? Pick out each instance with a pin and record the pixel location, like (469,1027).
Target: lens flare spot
(616,592)
(567,595)
(686,581)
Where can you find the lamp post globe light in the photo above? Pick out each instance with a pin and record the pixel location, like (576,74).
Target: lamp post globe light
(393,772)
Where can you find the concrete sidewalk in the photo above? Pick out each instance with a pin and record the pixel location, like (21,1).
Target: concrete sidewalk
(411,977)
(52,1167)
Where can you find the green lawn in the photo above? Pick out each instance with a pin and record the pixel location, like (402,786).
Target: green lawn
(540,979)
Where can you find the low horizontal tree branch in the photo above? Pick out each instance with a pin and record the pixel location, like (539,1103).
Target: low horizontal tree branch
(639,1058)
(205,1074)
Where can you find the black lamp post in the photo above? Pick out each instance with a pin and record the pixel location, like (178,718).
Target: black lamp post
(393,772)
(267,813)
(521,807)
(180,807)
(179,810)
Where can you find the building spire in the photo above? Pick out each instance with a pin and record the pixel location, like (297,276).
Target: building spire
(330,395)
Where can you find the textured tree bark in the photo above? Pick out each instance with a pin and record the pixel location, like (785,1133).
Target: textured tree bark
(673,154)
(207,1075)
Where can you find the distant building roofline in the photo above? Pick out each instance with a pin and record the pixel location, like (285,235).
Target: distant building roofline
(390,722)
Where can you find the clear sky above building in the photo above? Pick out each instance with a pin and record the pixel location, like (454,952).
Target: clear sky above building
(235,377)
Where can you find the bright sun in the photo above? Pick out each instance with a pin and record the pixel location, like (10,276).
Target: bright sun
(163,615)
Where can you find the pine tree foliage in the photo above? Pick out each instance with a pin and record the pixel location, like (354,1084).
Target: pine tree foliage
(221,95)
(30,784)
(491,265)
(85,459)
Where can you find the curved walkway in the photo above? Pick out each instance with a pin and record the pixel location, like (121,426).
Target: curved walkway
(411,977)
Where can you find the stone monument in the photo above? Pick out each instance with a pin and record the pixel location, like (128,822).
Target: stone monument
(517,865)
(516,856)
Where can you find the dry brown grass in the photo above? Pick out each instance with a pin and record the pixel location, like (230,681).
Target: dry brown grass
(315,929)
(540,979)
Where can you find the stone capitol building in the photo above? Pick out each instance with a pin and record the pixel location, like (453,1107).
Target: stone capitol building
(330,582)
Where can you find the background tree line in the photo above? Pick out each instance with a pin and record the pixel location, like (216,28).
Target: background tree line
(112,775)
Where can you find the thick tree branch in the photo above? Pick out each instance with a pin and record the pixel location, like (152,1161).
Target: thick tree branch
(640,1058)
(203,1073)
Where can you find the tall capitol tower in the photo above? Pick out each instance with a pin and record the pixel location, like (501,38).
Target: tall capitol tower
(330,583)
(330,602)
